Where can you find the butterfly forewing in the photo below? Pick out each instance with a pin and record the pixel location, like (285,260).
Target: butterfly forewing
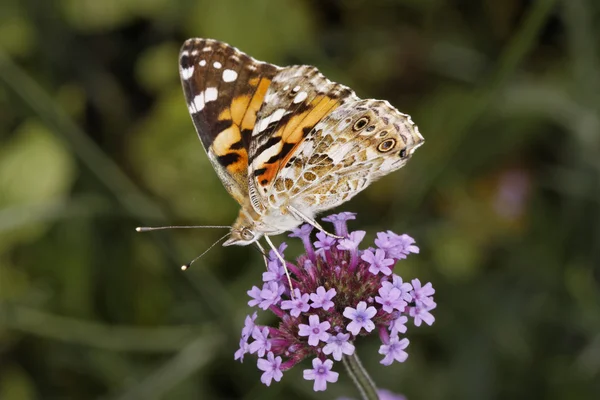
(224,90)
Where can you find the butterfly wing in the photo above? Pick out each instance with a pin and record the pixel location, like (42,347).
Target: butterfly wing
(339,145)
(358,143)
(298,98)
(224,90)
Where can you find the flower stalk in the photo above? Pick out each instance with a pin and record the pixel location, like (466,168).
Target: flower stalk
(360,377)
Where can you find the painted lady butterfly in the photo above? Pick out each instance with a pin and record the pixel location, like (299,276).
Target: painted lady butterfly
(287,143)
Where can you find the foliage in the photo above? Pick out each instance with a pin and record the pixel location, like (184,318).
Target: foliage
(502,198)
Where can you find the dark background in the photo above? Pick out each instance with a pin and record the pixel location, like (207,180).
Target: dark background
(503,198)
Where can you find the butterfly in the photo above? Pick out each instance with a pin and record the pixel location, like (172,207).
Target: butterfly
(286,142)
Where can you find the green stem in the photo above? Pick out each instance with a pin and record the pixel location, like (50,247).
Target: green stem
(360,377)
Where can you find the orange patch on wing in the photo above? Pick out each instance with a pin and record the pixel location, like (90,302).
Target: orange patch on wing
(239,169)
(254,105)
(221,146)
(267,177)
(225,115)
(293,132)
(321,106)
(236,111)
(239,105)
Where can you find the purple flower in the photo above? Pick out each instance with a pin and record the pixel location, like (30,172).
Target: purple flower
(338,345)
(249,325)
(422,295)
(404,287)
(298,305)
(352,242)
(390,300)
(321,374)
(261,342)
(406,244)
(398,325)
(361,318)
(255,294)
(339,222)
(396,246)
(394,350)
(270,294)
(275,272)
(384,241)
(272,368)
(377,261)
(338,295)
(322,298)
(280,249)
(325,242)
(244,348)
(316,331)
(303,232)
(421,313)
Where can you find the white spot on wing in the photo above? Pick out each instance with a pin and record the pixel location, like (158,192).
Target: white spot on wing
(276,116)
(202,63)
(186,73)
(198,103)
(194,52)
(295,89)
(266,154)
(207,48)
(210,94)
(262,125)
(229,75)
(217,65)
(270,96)
(300,97)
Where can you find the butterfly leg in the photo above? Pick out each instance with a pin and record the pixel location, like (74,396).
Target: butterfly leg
(264,254)
(287,273)
(311,221)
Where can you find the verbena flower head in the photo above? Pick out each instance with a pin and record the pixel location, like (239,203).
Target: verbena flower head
(340,292)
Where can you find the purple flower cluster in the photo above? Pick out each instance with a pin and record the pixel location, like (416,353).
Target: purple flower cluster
(339,293)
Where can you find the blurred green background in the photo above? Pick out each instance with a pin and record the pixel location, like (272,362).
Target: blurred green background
(503,199)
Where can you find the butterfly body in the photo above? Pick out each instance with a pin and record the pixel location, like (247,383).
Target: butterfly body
(287,143)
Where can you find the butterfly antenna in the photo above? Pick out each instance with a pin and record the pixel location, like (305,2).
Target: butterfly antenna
(158,228)
(262,251)
(186,266)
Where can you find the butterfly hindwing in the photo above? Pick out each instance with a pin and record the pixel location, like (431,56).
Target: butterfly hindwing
(224,90)
(358,143)
(298,98)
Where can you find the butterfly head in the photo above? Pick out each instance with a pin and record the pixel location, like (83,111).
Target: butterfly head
(243,232)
